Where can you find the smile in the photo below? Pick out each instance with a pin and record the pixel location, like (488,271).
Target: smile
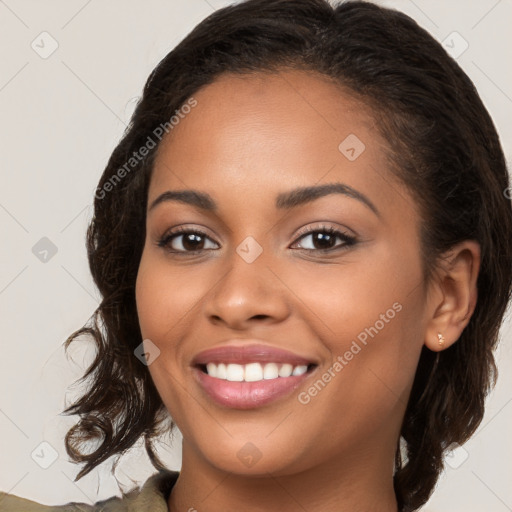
(249,376)
(253,372)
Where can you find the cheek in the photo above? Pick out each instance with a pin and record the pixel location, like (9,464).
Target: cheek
(359,295)
(165,296)
(164,300)
(369,316)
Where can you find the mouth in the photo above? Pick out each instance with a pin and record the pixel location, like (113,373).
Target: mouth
(253,372)
(250,376)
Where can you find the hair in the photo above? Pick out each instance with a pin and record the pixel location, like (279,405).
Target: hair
(443,146)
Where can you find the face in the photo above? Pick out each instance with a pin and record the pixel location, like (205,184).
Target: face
(297,252)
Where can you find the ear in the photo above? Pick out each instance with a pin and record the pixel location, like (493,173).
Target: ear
(452,295)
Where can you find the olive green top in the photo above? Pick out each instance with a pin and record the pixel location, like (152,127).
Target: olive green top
(152,497)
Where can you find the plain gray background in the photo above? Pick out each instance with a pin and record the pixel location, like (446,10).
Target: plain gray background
(62,114)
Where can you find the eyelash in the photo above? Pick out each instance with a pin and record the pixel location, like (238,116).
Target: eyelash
(348,240)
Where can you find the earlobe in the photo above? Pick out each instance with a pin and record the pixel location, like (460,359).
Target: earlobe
(454,301)
(436,343)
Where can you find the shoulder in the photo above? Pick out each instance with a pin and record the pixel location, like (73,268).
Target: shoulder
(151,497)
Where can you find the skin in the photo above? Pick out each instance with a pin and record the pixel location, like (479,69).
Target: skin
(249,139)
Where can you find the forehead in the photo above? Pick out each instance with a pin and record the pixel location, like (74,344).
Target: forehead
(259,132)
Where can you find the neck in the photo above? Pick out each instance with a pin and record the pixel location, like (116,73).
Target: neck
(356,483)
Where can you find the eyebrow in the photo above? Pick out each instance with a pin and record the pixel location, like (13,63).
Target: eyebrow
(192,197)
(285,200)
(300,196)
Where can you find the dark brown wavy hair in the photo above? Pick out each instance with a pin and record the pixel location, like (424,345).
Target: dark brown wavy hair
(442,144)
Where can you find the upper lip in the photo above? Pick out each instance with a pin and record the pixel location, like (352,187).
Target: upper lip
(249,353)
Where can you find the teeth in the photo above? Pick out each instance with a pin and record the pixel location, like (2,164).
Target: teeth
(271,371)
(221,371)
(286,370)
(299,370)
(253,372)
(211,369)
(235,372)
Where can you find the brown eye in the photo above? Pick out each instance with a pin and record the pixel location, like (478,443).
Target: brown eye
(191,241)
(183,241)
(325,239)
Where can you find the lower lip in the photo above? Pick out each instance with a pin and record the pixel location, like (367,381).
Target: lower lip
(248,395)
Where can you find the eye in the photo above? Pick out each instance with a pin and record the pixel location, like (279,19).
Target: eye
(183,240)
(324,239)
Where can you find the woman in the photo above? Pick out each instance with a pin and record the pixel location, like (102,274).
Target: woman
(296,266)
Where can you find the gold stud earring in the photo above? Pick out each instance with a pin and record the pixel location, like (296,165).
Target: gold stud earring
(441,339)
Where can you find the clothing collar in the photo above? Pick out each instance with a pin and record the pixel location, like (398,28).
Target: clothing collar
(152,497)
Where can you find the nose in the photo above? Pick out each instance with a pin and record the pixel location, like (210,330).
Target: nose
(247,294)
